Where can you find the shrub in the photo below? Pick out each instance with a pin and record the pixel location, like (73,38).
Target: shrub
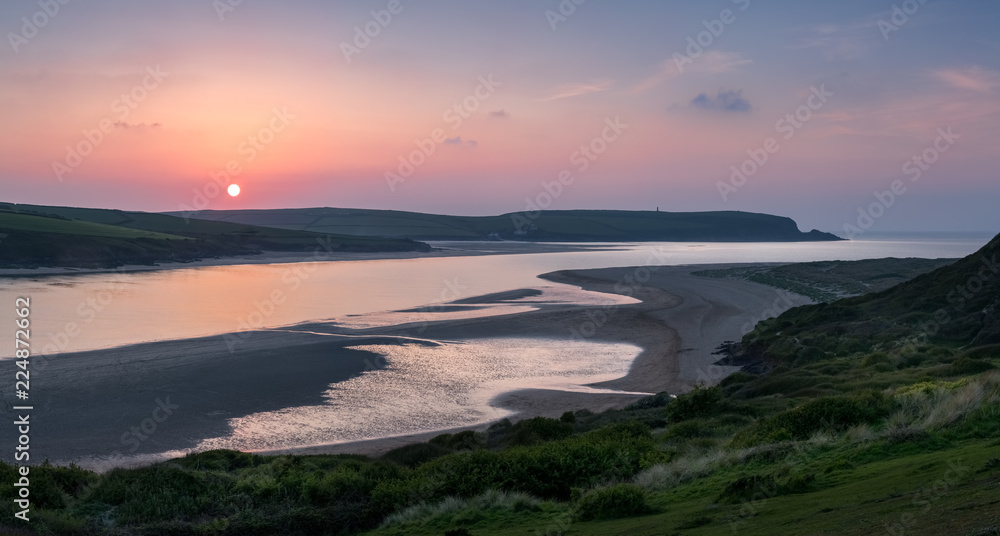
(656,401)
(687,430)
(699,402)
(548,470)
(465,440)
(613,502)
(833,414)
(219,460)
(538,430)
(416,454)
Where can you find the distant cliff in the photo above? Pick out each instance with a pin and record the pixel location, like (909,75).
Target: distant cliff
(546,225)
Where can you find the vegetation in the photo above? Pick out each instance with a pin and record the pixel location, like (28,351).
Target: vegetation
(550,225)
(33,236)
(827,281)
(848,429)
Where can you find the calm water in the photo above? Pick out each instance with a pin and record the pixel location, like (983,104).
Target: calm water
(83,312)
(424,388)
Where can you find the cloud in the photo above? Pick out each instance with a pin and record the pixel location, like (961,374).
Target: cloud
(839,42)
(709,63)
(458,141)
(127,125)
(575,90)
(499,114)
(726,101)
(971,78)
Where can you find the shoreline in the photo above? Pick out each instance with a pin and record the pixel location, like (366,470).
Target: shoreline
(438,250)
(677,323)
(673,358)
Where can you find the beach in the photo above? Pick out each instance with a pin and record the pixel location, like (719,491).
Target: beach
(166,397)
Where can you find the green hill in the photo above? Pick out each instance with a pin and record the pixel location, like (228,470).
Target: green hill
(953,311)
(547,225)
(33,235)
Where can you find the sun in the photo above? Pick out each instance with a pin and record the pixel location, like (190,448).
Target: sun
(234,190)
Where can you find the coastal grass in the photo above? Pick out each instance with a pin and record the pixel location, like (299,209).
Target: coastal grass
(923,449)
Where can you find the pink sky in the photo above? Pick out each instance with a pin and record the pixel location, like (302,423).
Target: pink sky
(341,125)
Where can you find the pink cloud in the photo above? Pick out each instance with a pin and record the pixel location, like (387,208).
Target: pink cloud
(971,78)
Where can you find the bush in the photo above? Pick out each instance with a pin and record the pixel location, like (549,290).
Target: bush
(687,430)
(538,430)
(613,502)
(737,378)
(220,460)
(701,401)
(548,470)
(656,401)
(466,440)
(834,414)
(415,455)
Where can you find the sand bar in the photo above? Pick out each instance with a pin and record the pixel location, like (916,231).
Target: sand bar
(90,403)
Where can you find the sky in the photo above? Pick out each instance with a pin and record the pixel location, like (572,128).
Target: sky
(855,116)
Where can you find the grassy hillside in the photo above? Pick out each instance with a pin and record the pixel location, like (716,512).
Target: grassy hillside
(549,225)
(826,281)
(35,235)
(864,420)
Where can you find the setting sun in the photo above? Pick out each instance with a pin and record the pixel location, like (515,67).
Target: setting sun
(234,190)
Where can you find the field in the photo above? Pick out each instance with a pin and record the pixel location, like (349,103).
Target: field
(95,238)
(26,222)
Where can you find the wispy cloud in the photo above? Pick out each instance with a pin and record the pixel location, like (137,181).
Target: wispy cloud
(839,41)
(725,100)
(459,141)
(575,90)
(127,125)
(709,63)
(971,78)
(499,114)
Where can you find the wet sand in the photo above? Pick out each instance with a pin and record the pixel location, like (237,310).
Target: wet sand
(104,403)
(679,324)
